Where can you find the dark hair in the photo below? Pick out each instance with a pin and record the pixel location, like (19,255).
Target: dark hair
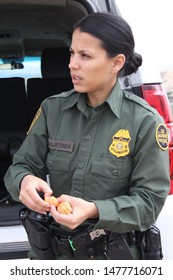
(115,35)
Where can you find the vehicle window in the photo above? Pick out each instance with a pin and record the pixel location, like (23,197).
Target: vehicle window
(28,68)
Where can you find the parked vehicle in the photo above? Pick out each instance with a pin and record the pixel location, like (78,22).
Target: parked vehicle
(34,39)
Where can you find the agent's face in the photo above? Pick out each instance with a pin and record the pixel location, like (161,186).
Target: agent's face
(91,69)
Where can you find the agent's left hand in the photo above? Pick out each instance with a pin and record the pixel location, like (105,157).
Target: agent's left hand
(81,211)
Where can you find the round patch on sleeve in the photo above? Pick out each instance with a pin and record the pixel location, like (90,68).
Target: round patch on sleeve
(162,136)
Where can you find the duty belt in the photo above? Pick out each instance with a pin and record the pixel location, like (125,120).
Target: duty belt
(83,244)
(86,243)
(49,241)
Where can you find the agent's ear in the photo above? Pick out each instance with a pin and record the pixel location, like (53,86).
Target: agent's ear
(118,62)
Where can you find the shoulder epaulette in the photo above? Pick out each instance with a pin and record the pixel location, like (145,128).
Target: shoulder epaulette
(139,100)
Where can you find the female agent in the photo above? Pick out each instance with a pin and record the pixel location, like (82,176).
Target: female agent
(109,161)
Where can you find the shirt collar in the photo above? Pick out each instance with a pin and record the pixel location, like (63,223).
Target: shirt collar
(114,100)
(76,98)
(73,98)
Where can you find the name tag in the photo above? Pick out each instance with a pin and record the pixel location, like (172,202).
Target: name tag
(61,145)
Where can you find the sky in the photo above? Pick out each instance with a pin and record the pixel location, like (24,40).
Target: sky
(152,23)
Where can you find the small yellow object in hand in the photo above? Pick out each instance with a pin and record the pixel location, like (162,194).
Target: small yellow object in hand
(63,207)
(52,200)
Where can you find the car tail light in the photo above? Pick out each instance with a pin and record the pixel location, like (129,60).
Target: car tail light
(156,96)
(170,129)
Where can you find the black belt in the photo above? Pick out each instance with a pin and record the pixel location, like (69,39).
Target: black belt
(82,244)
(78,244)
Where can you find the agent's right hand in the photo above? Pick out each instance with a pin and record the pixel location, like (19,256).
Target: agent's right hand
(29,188)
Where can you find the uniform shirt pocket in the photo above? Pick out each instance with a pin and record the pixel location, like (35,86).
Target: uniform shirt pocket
(110,177)
(58,164)
(113,169)
(59,174)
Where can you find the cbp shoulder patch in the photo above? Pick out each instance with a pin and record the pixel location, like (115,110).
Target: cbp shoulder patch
(37,115)
(162,136)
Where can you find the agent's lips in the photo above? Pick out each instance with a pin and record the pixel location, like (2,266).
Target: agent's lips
(76,79)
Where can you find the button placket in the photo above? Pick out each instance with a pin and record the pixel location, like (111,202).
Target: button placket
(84,154)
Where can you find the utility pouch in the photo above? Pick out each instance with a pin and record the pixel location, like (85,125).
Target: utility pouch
(150,244)
(117,247)
(38,233)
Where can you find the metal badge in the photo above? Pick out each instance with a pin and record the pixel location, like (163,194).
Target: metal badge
(120,143)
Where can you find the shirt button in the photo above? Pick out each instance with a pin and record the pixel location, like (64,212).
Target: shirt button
(76,193)
(116,172)
(87,137)
(81,165)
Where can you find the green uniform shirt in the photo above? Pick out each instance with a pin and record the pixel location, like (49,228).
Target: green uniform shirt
(115,155)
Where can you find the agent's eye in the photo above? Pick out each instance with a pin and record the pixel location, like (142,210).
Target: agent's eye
(85,55)
(71,52)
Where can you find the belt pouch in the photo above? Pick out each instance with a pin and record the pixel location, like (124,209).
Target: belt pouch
(117,247)
(38,236)
(61,247)
(81,245)
(150,245)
